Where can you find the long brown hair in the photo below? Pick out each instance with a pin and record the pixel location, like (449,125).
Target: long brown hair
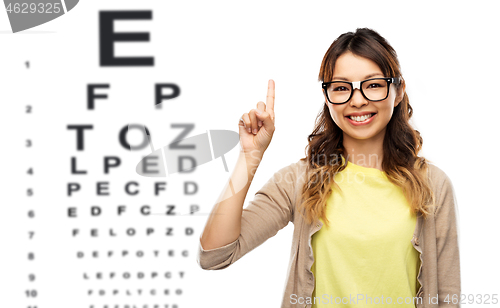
(401,146)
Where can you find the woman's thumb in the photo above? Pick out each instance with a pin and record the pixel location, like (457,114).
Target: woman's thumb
(265,117)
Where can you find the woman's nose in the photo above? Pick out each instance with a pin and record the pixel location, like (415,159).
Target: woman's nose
(358,99)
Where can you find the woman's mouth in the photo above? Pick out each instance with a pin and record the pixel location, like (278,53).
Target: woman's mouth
(361,120)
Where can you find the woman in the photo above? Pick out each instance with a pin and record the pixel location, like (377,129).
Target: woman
(374,223)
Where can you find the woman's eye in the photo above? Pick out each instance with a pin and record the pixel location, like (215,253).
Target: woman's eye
(340,89)
(374,85)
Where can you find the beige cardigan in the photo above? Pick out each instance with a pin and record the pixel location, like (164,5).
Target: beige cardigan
(435,238)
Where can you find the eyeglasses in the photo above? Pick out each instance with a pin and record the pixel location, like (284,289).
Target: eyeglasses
(374,89)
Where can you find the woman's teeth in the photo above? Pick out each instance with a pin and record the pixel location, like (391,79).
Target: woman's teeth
(361,118)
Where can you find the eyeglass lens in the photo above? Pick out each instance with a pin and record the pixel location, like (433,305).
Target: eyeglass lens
(339,92)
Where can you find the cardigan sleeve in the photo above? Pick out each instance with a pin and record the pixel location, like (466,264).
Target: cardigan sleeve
(447,246)
(270,210)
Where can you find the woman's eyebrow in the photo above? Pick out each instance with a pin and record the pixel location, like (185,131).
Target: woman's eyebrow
(366,77)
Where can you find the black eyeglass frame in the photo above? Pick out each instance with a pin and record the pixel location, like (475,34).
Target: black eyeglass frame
(359,86)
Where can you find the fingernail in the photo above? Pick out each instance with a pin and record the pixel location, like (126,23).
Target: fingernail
(260,123)
(255,131)
(257,111)
(249,130)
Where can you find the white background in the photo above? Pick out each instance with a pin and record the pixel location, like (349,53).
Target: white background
(221,54)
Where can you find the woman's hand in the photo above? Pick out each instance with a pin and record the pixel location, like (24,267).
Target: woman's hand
(256,128)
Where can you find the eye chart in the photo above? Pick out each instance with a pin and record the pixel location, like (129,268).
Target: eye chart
(109,201)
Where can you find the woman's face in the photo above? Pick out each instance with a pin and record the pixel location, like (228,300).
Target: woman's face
(354,68)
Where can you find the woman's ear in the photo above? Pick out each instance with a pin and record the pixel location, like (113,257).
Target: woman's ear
(400,92)
(326,100)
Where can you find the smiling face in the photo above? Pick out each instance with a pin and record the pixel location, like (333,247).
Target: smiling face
(350,67)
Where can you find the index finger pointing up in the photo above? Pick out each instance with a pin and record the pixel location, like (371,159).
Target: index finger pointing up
(270,98)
